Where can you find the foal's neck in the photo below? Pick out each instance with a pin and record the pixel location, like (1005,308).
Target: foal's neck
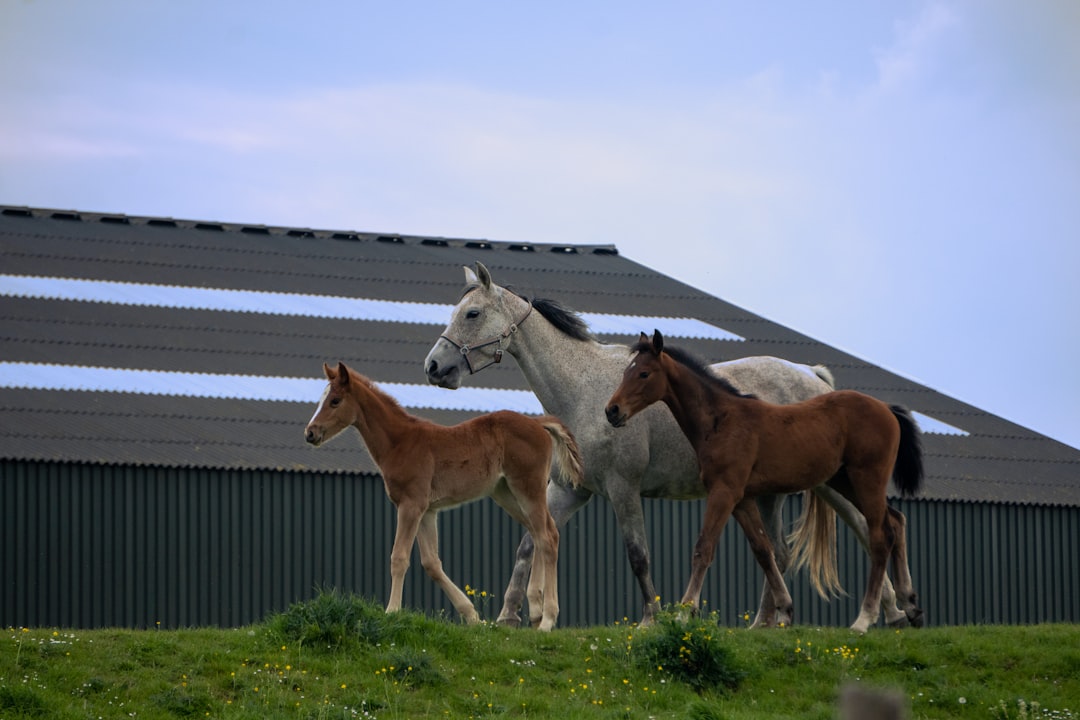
(700,407)
(379,419)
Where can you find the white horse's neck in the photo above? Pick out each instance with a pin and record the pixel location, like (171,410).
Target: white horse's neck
(568,376)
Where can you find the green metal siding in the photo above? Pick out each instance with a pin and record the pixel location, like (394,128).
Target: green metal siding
(97,546)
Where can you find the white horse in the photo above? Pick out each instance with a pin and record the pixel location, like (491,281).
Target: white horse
(573,375)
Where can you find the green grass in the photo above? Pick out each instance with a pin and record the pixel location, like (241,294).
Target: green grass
(341,657)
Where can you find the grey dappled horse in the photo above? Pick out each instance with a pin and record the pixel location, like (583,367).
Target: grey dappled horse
(573,375)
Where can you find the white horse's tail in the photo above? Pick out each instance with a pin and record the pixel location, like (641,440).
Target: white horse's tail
(565,451)
(825,374)
(813,542)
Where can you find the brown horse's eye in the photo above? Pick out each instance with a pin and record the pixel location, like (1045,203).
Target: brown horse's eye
(334,402)
(644,374)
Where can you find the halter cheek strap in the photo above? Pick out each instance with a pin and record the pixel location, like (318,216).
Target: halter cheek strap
(496,340)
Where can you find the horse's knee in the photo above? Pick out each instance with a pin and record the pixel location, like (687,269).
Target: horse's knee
(432,566)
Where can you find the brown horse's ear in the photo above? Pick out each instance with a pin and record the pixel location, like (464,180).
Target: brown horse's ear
(329,372)
(483,275)
(643,338)
(342,373)
(658,342)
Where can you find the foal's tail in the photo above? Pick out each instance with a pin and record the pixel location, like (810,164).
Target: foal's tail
(908,471)
(813,545)
(566,452)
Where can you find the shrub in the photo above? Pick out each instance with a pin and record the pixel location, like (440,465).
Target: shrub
(689,650)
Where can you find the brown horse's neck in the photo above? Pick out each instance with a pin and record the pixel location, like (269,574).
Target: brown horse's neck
(379,418)
(698,407)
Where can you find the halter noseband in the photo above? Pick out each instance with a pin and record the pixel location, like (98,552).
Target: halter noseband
(494,340)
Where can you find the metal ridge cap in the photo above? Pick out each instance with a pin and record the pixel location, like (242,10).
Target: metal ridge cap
(295,231)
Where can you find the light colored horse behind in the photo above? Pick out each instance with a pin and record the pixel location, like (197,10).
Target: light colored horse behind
(573,375)
(427,468)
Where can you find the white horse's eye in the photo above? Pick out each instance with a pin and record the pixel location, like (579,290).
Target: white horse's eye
(472,314)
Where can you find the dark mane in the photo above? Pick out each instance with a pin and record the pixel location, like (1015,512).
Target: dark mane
(563,318)
(693,363)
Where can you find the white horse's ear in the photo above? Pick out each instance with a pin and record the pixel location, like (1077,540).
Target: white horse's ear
(484,275)
(470,276)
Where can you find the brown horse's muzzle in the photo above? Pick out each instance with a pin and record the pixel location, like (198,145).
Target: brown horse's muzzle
(313,435)
(615,416)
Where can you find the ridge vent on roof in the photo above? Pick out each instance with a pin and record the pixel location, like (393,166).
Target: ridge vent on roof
(521,247)
(18,212)
(565,249)
(162,222)
(115,219)
(215,227)
(605,251)
(345,236)
(300,233)
(396,239)
(478,245)
(255,230)
(66,216)
(435,242)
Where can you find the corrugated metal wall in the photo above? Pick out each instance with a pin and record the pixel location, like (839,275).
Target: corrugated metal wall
(95,546)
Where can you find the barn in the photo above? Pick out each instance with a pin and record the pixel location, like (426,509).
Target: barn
(156,375)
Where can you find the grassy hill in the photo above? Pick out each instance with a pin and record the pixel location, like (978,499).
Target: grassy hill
(342,657)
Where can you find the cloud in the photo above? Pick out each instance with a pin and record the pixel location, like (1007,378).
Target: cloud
(910,56)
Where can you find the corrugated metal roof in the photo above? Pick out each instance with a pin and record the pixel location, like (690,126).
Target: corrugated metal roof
(258,310)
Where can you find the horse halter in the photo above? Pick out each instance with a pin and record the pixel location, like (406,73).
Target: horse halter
(494,340)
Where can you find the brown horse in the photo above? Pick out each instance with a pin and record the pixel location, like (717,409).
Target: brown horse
(426,468)
(746,447)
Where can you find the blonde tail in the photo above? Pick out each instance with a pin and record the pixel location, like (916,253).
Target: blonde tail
(813,544)
(566,452)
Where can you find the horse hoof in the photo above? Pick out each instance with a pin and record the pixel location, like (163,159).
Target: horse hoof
(900,623)
(512,621)
(916,617)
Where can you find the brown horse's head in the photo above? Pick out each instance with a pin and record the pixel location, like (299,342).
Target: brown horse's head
(644,381)
(337,408)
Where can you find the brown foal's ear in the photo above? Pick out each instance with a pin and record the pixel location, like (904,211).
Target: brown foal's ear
(643,338)
(342,374)
(329,372)
(658,342)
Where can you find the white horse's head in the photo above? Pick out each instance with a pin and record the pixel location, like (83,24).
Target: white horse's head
(481,327)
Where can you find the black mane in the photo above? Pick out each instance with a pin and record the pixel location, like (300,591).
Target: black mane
(694,364)
(563,318)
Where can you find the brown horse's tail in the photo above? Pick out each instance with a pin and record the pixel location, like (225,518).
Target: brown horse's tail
(908,471)
(813,542)
(566,452)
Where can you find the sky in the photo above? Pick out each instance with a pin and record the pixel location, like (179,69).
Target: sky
(900,180)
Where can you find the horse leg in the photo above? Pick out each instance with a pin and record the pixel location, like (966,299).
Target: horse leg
(626,502)
(894,616)
(749,518)
(408,522)
(718,506)
(428,539)
(771,508)
(909,599)
(563,502)
(874,510)
(544,581)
